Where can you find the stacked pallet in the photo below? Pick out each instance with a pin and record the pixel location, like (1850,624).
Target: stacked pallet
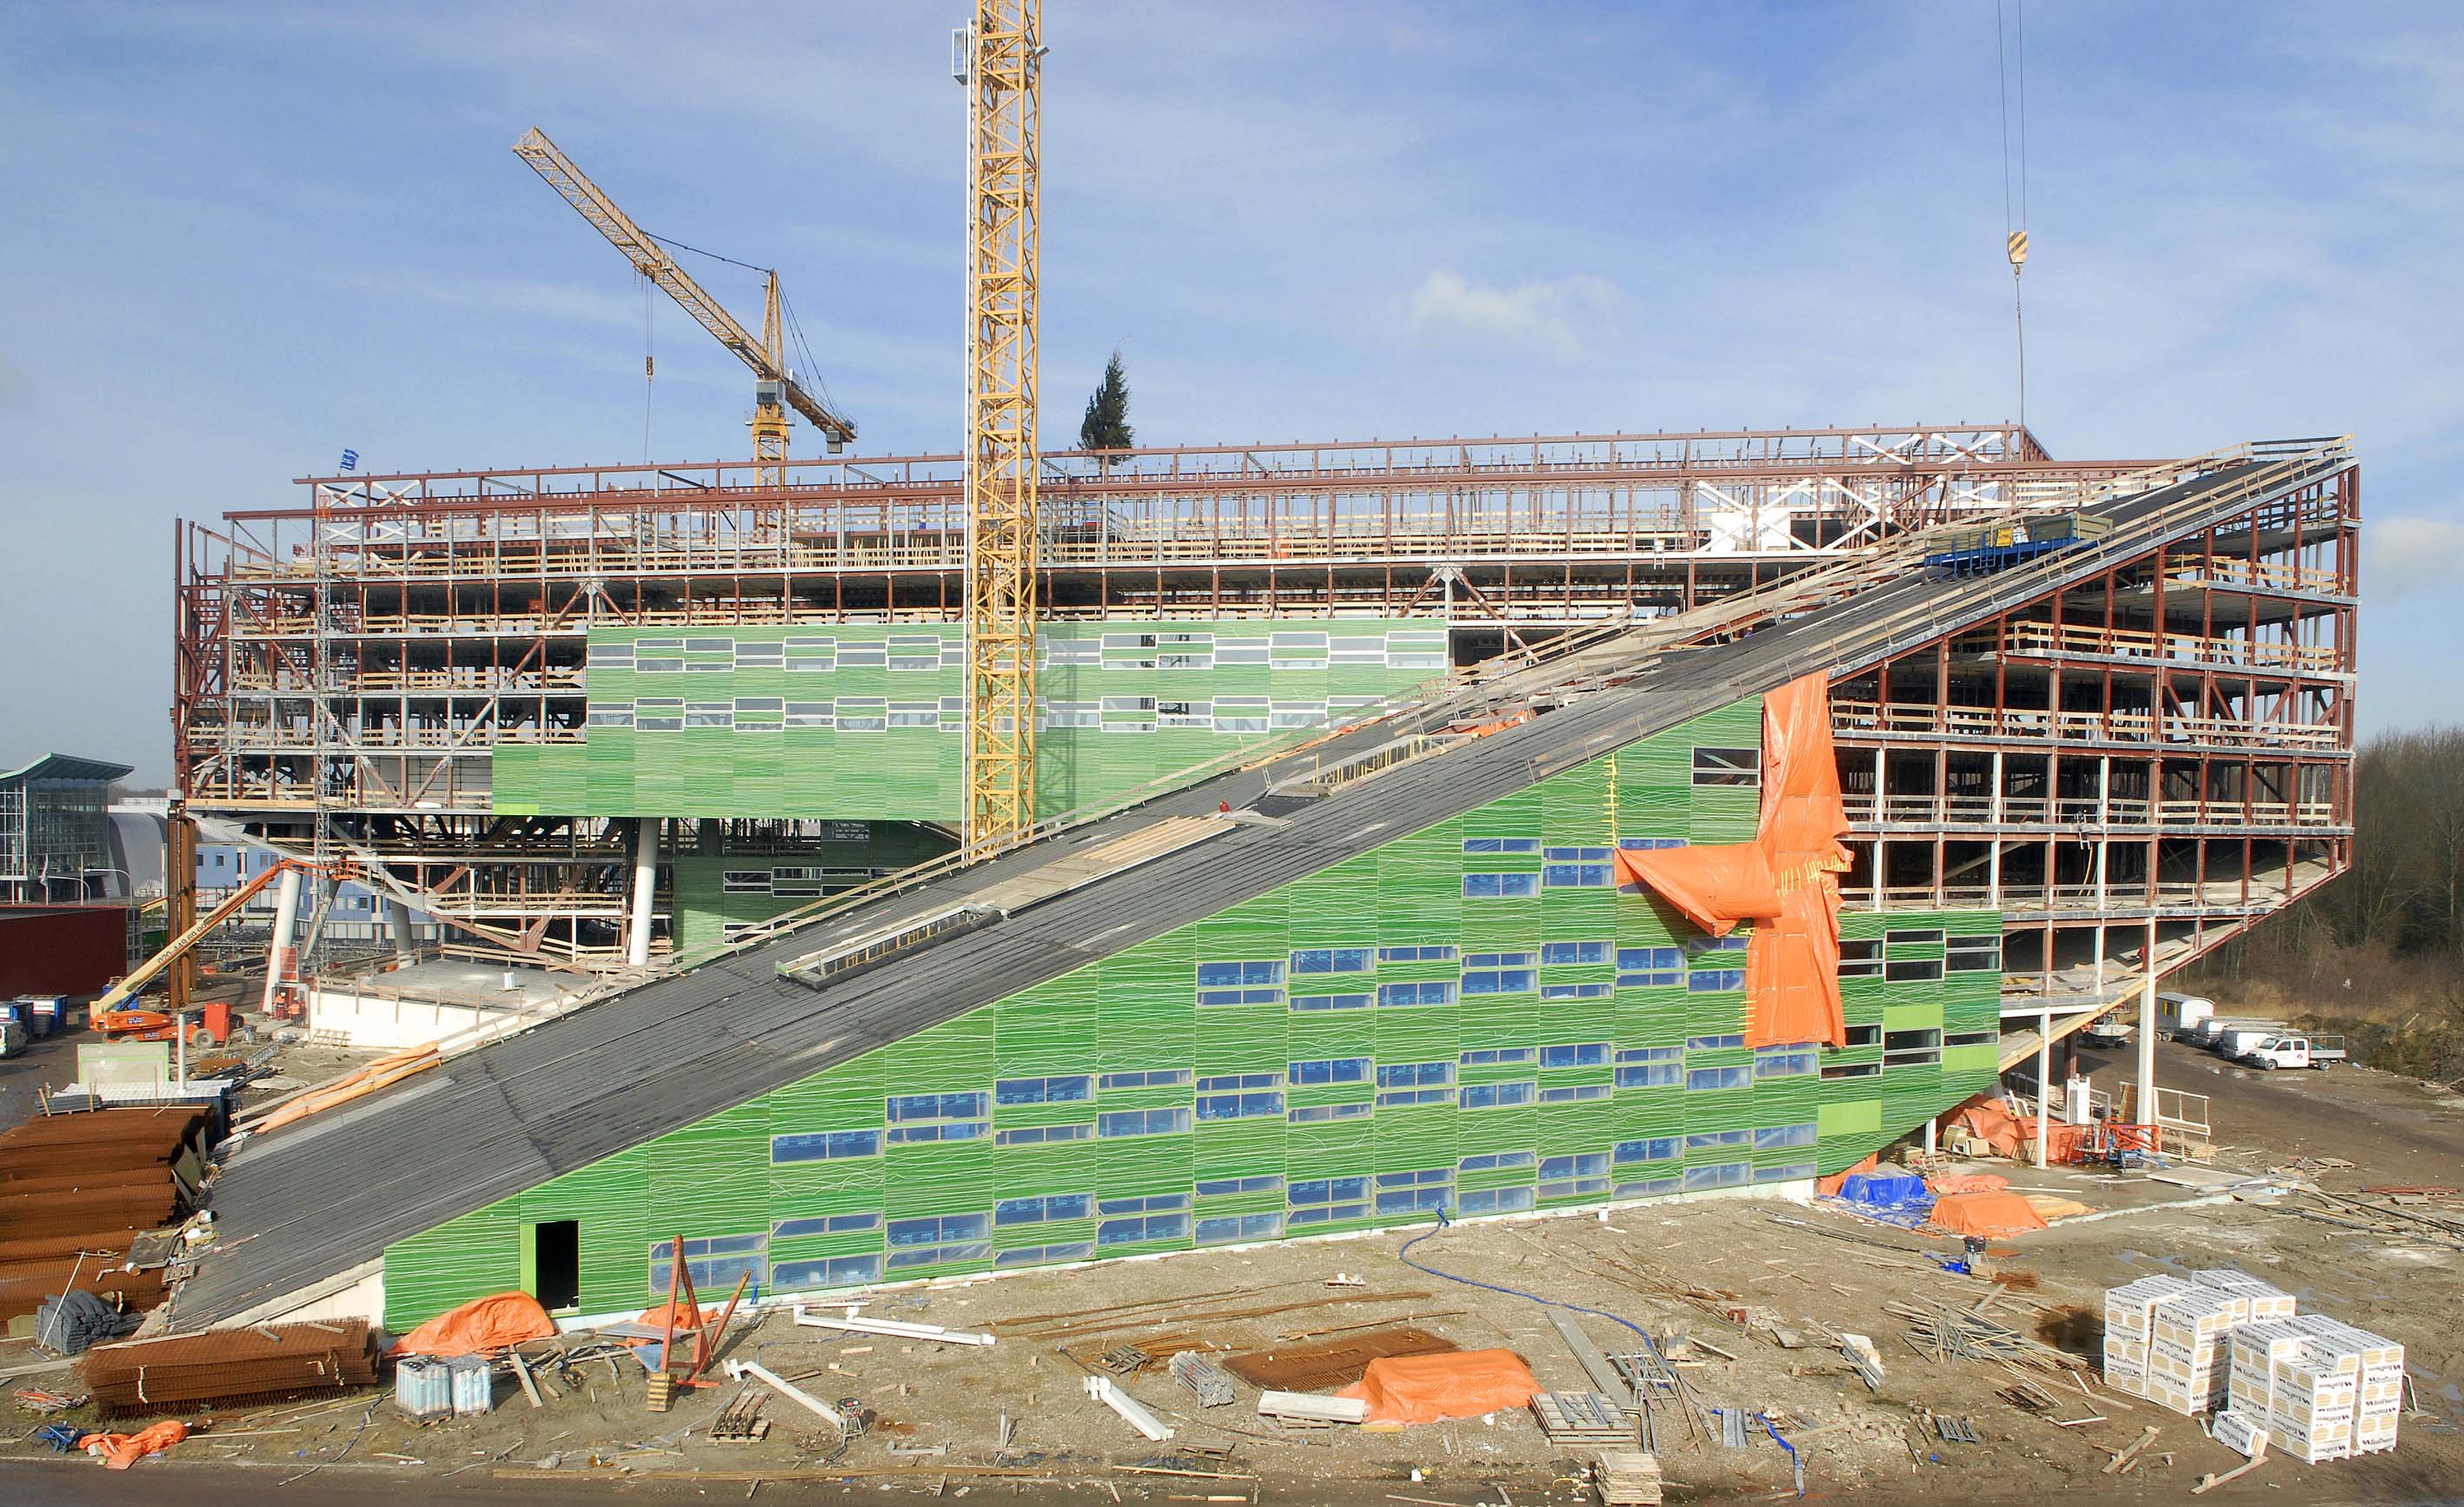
(1625,1479)
(2166,1338)
(223,1366)
(2313,1387)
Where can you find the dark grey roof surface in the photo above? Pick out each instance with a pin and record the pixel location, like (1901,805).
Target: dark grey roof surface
(317,1198)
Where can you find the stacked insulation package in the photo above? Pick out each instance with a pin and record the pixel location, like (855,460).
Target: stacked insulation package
(2303,1384)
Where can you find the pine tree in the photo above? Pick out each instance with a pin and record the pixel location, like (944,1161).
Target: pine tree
(1106,425)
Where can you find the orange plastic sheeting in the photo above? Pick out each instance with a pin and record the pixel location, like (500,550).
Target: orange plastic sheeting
(1714,887)
(1452,1384)
(384,1071)
(1986,1215)
(121,1451)
(1785,878)
(479,1327)
(687,1319)
(1990,1122)
(1967,1183)
(1829,1186)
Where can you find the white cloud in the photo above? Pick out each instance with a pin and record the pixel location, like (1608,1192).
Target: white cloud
(1555,315)
(522,295)
(2404,554)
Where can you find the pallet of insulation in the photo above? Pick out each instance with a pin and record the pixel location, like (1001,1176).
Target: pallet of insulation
(227,1366)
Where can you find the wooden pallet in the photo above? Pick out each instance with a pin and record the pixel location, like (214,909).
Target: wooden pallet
(1582,1418)
(1625,1479)
(740,1421)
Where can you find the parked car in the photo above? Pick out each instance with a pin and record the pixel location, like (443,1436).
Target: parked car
(2295,1051)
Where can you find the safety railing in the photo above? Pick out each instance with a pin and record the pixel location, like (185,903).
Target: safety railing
(1851,716)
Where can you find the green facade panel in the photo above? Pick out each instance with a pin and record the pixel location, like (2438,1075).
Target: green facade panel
(718,891)
(1281,1068)
(867,721)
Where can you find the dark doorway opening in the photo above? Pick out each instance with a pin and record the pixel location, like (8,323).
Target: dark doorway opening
(555,1263)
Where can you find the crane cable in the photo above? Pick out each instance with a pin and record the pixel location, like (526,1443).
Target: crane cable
(647,364)
(2014,236)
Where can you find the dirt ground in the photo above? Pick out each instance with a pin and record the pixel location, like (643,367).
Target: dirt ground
(1812,1271)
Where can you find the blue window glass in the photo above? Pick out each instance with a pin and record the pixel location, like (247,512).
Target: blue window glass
(1043,1135)
(1714,1043)
(1142,1121)
(1150,1204)
(1332,960)
(1240,1229)
(1782,1172)
(1486,1056)
(1500,886)
(1500,981)
(1782,1136)
(1709,1078)
(1495,1161)
(1651,1188)
(1498,1096)
(1573,1093)
(1046,1254)
(824,1224)
(1501,844)
(1785,1061)
(1733,942)
(1650,967)
(1711,980)
(1044,1090)
(1726,1174)
(1318,1114)
(1240,1107)
(1416,954)
(1646,845)
(945,1131)
(1414,1200)
(1576,875)
(1415,1075)
(1557,955)
(1566,1176)
(1414,1097)
(1324,1200)
(1577,991)
(1235,975)
(1717,1140)
(1331,1070)
(1434,992)
(938,1230)
(1587,1054)
(1650,1067)
(1654,1148)
(824,1146)
(1330,1001)
(1041,1211)
(837,1271)
(1497,960)
(1218,1187)
(1494,1201)
(717,1262)
(911,1108)
(1161,1078)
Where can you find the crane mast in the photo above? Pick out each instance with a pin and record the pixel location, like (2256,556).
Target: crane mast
(773,390)
(1000,60)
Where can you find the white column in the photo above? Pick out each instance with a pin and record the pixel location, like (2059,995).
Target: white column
(1993,874)
(1932,1132)
(646,882)
(2044,1082)
(2147,1094)
(1996,809)
(286,919)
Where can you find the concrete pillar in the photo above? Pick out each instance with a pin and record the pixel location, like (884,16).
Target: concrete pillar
(645,884)
(398,923)
(2146,1085)
(1995,812)
(1993,875)
(2044,1082)
(279,959)
(1932,1133)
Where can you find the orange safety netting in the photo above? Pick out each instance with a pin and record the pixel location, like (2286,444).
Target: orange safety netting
(1986,1215)
(121,1451)
(1451,1383)
(1783,880)
(479,1327)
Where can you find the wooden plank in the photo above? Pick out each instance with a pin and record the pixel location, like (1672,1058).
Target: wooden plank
(1604,1376)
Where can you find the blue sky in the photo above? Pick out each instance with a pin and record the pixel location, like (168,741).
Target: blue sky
(241,237)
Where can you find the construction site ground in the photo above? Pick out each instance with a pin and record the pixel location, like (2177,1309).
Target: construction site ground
(1670,1268)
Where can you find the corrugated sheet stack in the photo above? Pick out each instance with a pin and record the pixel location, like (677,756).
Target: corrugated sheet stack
(76,1189)
(224,1367)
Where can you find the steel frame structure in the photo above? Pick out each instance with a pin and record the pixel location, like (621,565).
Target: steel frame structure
(358,660)
(2133,768)
(1005,98)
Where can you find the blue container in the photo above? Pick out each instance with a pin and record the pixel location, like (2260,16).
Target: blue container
(422,1388)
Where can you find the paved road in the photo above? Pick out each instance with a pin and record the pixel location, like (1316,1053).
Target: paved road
(46,1063)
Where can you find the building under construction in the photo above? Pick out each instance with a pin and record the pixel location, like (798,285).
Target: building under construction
(1351,757)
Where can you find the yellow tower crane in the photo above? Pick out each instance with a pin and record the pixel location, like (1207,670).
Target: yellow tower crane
(1000,59)
(773,390)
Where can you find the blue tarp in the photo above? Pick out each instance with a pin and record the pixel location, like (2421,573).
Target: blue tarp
(1884,1188)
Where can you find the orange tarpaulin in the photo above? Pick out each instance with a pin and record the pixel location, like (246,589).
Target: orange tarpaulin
(1783,880)
(382,1073)
(1829,1186)
(1452,1384)
(479,1327)
(1987,1214)
(1967,1183)
(121,1451)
